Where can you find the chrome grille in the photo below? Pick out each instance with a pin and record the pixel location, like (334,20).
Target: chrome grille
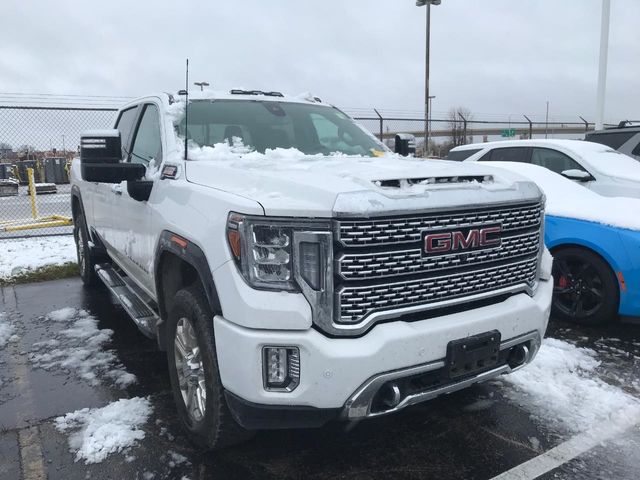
(408,229)
(394,263)
(357,302)
(380,264)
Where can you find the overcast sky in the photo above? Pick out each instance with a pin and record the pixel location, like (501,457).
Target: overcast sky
(490,56)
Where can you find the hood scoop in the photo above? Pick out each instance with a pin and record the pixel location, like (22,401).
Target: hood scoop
(401,183)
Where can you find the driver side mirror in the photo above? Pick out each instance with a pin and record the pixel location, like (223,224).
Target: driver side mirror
(405,144)
(577,175)
(100,158)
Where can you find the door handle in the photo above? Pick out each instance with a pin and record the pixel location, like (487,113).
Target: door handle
(117,189)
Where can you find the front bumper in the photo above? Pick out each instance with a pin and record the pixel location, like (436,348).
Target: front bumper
(334,370)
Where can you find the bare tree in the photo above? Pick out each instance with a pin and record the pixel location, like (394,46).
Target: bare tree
(457,117)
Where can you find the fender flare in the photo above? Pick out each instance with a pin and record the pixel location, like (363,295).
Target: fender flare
(192,254)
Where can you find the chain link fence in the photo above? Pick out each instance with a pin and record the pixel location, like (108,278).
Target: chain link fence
(41,140)
(45,139)
(444,134)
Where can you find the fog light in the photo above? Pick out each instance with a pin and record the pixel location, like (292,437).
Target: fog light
(281,368)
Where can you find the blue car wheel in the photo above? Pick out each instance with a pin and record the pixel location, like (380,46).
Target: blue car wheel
(585,290)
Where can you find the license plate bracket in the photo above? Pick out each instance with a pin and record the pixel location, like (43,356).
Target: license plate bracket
(470,355)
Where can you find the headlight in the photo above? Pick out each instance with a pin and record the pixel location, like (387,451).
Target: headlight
(264,250)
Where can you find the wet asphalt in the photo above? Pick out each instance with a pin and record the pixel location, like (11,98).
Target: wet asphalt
(473,434)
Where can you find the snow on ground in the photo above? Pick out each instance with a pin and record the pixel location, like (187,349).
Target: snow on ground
(98,432)
(79,349)
(19,255)
(7,330)
(568,199)
(562,386)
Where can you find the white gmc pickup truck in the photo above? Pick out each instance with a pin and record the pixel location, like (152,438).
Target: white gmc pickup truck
(295,270)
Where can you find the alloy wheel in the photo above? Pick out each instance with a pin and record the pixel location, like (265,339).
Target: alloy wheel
(190,370)
(578,289)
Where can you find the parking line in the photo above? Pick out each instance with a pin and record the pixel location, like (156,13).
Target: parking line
(570,449)
(31,454)
(31,457)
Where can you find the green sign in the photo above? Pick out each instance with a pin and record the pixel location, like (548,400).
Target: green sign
(508,132)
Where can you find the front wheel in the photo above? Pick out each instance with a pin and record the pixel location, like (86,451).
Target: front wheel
(86,260)
(585,289)
(193,369)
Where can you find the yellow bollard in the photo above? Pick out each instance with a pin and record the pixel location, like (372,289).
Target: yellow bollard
(32,193)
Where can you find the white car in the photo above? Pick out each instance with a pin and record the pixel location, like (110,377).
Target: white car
(597,167)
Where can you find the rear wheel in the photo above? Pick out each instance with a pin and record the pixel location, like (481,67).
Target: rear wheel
(193,369)
(585,289)
(86,260)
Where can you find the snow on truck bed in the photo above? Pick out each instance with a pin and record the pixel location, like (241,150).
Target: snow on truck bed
(568,199)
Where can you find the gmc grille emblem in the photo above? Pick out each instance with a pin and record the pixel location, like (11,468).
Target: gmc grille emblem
(462,240)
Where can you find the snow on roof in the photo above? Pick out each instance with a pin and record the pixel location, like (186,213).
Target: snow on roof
(574,145)
(568,199)
(305,97)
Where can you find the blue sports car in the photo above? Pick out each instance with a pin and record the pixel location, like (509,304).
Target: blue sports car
(595,242)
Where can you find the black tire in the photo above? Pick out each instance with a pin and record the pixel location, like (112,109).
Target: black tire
(215,428)
(86,259)
(585,289)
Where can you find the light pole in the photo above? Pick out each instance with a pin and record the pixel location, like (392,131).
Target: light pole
(602,69)
(427,3)
(201,85)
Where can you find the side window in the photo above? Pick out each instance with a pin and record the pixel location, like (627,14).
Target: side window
(461,155)
(147,145)
(553,160)
(125,124)
(510,154)
(613,139)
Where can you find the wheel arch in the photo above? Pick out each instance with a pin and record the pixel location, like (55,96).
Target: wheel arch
(76,203)
(178,263)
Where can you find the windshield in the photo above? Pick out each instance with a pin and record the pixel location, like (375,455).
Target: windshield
(260,125)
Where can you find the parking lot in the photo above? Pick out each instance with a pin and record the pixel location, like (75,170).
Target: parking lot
(478,433)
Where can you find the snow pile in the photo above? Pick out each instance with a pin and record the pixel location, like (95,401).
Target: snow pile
(79,349)
(6,331)
(566,198)
(561,386)
(20,255)
(99,432)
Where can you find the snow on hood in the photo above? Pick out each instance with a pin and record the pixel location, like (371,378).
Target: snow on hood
(568,199)
(612,163)
(288,182)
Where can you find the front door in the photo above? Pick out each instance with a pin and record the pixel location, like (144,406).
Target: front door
(131,237)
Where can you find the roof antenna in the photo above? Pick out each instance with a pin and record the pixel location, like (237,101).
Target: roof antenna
(186,110)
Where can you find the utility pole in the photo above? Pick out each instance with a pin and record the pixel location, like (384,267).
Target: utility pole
(427,3)
(201,85)
(64,147)
(602,68)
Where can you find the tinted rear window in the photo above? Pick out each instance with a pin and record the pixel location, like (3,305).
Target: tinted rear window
(461,155)
(510,154)
(614,139)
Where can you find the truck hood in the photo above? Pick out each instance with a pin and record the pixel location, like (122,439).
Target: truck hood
(337,186)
